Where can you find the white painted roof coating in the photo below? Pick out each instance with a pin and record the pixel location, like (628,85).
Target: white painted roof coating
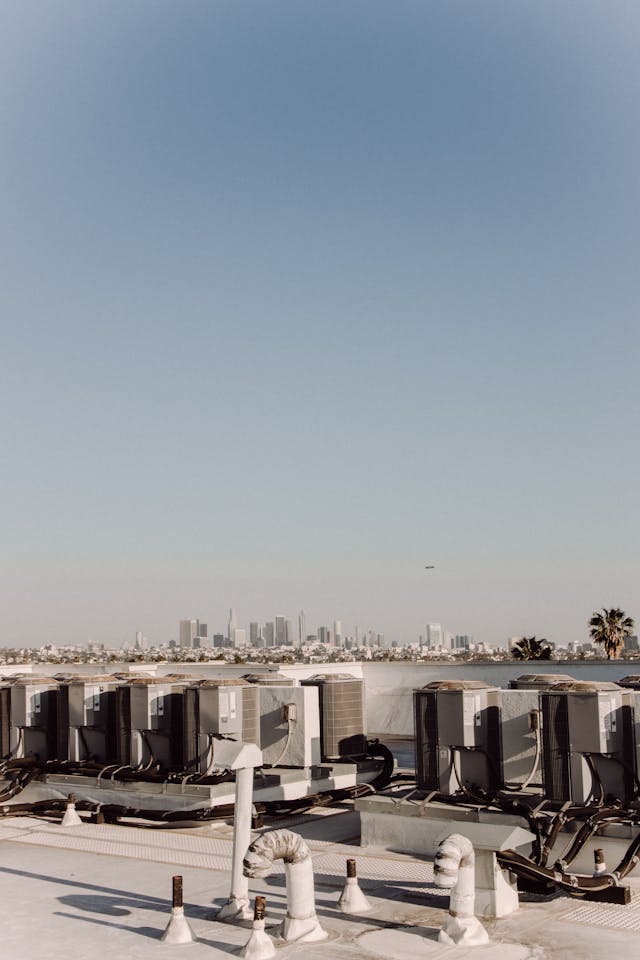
(102,890)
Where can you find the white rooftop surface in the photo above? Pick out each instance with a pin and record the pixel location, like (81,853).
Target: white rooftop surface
(97,890)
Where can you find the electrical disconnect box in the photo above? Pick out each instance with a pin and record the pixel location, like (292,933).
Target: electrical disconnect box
(342,714)
(588,742)
(458,737)
(34,717)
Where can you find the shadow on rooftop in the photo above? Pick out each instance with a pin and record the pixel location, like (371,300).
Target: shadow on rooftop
(120,898)
(150,932)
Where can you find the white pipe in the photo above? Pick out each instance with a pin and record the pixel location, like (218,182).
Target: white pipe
(455,869)
(237,906)
(301,922)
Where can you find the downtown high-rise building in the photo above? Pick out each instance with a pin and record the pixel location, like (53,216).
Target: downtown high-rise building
(268,634)
(302,628)
(188,632)
(434,635)
(255,635)
(281,630)
(232,626)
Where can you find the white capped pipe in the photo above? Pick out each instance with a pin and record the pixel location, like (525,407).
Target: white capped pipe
(301,922)
(237,906)
(177,930)
(71,817)
(352,899)
(455,870)
(259,946)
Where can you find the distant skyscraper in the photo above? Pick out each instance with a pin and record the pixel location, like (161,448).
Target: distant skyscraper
(288,633)
(302,628)
(462,641)
(239,637)
(255,634)
(337,632)
(269,634)
(324,635)
(281,631)
(434,635)
(233,623)
(188,630)
(358,636)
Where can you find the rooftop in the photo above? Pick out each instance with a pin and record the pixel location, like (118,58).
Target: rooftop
(65,889)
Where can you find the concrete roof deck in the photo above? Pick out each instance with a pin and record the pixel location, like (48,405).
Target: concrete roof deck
(91,890)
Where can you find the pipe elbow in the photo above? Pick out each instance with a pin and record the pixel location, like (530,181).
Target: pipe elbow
(275,845)
(453,853)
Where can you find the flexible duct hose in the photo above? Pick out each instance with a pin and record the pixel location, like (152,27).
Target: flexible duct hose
(301,922)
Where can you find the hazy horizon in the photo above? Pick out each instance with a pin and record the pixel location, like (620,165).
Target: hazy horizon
(299,298)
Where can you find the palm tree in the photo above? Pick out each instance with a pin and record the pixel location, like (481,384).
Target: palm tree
(529,648)
(610,628)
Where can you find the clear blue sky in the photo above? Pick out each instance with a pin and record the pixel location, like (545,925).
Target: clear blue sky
(297,297)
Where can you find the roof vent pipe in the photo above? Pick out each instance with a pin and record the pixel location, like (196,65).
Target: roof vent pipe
(455,869)
(352,899)
(301,923)
(71,817)
(177,930)
(259,946)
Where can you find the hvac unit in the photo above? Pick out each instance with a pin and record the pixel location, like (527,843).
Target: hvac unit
(458,737)
(5,719)
(34,718)
(631,681)
(212,708)
(538,681)
(157,729)
(289,725)
(342,722)
(588,742)
(91,704)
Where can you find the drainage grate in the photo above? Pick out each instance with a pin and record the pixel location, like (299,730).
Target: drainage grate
(608,914)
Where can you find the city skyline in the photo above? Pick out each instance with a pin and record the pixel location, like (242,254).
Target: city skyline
(299,297)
